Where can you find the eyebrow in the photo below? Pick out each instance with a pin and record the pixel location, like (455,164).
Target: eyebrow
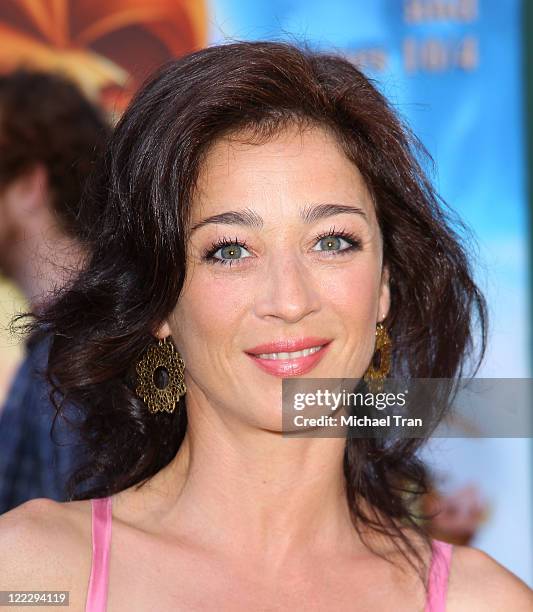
(309,214)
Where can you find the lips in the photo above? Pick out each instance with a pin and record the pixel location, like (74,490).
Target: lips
(285,367)
(288,345)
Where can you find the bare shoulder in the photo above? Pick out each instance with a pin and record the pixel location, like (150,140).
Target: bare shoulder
(45,545)
(479,582)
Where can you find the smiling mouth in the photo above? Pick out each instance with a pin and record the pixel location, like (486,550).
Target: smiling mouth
(292,354)
(290,363)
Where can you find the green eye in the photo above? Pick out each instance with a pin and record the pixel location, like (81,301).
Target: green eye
(332,243)
(227,252)
(232,251)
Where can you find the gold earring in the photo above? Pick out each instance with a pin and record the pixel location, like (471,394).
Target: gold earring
(161,382)
(374,377)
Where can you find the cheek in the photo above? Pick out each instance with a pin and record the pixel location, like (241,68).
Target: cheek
(208,313)
(353,293)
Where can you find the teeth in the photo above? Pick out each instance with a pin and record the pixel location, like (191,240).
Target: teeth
(293,355)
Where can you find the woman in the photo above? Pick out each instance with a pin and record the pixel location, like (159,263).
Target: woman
(254,200)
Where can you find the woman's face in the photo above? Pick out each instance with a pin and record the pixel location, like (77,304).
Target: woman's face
(295,256)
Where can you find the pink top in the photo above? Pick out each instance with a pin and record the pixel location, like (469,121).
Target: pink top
(101,536)
(101,527)
(438,576)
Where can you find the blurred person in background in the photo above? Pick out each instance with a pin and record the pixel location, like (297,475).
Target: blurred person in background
(50,135)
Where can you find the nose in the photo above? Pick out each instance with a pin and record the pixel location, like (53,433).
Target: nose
(288,291)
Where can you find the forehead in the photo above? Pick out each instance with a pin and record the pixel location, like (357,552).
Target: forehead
(293,168)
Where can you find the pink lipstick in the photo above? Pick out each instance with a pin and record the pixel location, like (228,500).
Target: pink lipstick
(276,359)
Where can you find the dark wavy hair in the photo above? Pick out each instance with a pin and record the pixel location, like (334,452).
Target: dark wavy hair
(138,209)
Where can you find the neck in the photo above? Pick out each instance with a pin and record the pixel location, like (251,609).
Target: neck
(255,494)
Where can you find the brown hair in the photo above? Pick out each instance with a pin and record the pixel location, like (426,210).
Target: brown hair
(45,118)
(140,202)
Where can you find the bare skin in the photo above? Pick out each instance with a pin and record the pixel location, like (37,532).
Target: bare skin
(35,252)
(244,518)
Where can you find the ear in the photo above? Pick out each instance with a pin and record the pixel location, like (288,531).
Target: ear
(163,330)
(33,189)
(384,295)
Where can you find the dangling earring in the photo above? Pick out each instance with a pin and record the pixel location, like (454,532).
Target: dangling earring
(161,382)
(374,377)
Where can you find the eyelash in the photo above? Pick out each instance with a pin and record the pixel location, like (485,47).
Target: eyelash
(354,242)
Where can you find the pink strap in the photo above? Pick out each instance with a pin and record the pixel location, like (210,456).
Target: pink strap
(438,576)
(101,528)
